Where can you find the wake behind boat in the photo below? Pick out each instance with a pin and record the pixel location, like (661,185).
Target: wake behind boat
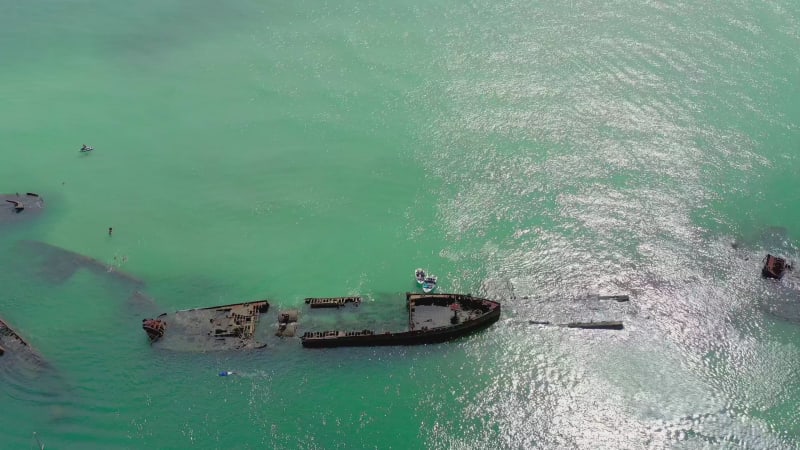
(429,284)
(419,274)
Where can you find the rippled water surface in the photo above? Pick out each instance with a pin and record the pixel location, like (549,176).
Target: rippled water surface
(534,153)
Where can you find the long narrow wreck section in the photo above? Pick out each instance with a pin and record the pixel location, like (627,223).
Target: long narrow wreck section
(227,327)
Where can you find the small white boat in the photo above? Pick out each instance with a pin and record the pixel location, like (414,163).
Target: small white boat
(419,274)
(429,284)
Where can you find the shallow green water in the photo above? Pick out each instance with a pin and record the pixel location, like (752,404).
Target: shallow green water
(524,151)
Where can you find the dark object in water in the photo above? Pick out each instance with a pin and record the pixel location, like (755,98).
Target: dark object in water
(85,148)
(429,321)
(331,302)
(288,316)
(154,328)
(14,209)
(616,298)
(12,343)
(18,206)
(608,325)
(287,323)
(224,327)
(286,329)
(774,267)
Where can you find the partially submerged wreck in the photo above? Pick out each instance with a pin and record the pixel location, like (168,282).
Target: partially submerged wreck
(18,207)
(774,267)
(432,318)
(226,327)
(600,325)
(332,302)
(12,344)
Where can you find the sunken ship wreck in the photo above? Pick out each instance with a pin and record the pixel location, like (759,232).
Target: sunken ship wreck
(432,318)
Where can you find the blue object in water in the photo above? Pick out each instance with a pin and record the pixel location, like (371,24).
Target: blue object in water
(225,373)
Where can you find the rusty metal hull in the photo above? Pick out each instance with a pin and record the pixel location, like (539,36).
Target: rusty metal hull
(474,314)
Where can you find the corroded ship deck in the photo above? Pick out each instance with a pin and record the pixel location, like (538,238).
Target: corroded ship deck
(432,318)
(226,327)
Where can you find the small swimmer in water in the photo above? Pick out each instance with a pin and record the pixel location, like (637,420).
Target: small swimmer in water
(86,148)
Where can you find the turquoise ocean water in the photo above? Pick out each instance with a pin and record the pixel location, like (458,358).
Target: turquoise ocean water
(530,152)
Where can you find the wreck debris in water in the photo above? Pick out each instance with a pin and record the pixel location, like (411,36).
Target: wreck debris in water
(12,345)
(331,302)
(774,267)
(287,323)
(227,327)
(16,207)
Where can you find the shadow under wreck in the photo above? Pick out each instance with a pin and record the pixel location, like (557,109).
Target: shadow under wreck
(432,318)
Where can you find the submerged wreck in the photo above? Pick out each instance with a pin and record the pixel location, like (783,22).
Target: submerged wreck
(226,327)
(11,344)
(57,265)
(432,318)
(600,325)
(18,207)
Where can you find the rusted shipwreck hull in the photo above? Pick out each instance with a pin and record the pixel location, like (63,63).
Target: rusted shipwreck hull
(774,267)
(432,318)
